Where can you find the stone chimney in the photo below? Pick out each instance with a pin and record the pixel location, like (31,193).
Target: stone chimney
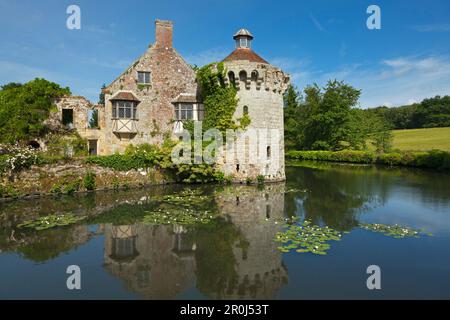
(164,33)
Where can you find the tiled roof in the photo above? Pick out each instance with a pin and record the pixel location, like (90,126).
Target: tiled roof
(125,96)
(245,54)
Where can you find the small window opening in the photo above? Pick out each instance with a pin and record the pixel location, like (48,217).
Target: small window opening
(93,119)
(67,117)
(144,77)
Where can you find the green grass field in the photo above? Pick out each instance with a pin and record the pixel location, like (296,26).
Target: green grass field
(422,139)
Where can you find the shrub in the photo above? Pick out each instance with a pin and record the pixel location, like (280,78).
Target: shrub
(56,188)
(72,187)
(433,159)
(261,179)
(89,181)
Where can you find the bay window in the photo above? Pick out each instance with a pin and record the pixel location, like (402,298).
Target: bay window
(123,109)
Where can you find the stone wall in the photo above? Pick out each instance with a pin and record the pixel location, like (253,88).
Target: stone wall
(43,180)
(260,90)
(170,77)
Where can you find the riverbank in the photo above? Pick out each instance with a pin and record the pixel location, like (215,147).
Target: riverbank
(434,159)
(73,177)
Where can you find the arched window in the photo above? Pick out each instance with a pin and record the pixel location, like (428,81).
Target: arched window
(245,111)
(269,152)
(255,75)
(243,76)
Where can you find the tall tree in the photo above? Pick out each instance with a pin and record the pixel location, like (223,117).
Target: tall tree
(327,115)
(101,97)
(23,109)
(291,118)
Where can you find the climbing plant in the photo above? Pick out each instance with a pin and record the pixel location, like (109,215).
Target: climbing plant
(219,99)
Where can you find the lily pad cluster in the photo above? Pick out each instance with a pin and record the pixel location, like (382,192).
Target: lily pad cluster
(163,216)
(186,198)
(188,207)
(395,231)
(51,221)
(305,237)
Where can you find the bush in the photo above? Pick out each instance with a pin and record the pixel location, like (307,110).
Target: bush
(433,159)
(338,156)
(261,179)
(72,187)
(89,181)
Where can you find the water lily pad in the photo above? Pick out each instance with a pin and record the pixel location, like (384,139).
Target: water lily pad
(305,237)
(51,221)
(395,231)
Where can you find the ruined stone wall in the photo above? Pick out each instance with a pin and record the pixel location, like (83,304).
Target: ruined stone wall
(42,180)
(80,106)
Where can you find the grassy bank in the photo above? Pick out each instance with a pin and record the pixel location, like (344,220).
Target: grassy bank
(435,159)
(422,139)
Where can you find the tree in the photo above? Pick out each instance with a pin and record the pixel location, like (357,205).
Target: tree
(23,109)
(101,97)
(327,116)
(291,118)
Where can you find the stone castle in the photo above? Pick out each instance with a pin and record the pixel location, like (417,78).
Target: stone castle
(150,100)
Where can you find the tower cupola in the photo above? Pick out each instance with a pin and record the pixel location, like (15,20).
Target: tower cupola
(243,39)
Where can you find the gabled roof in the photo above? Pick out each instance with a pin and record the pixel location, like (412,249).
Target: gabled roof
(125,95)
(245,54)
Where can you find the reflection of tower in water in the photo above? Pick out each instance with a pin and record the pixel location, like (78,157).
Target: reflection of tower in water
(259,266)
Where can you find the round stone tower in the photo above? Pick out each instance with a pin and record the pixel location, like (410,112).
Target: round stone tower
(260,87)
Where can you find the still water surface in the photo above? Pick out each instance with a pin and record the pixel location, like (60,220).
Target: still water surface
(232,254)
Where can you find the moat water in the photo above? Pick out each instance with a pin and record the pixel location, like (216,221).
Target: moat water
(230,253)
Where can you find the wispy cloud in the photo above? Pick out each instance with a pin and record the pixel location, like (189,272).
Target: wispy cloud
(204,57)
(316,23)
(442,27)
(98,29)
(18,72)
(390,82)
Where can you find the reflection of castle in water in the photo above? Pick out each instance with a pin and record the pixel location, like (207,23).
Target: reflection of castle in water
(152,260)
(160,262)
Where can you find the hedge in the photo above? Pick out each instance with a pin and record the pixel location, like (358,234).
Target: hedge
(436,159)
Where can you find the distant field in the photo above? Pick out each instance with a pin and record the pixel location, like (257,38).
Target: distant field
(422,139)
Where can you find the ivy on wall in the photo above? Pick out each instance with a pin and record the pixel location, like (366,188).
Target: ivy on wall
(219,100)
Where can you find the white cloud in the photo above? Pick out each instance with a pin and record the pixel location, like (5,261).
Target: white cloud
(316,23)
(17,72)
(208,56)
(390,82)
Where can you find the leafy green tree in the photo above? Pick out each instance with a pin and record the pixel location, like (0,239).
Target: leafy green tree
(328,115)
(23,109)
(101,97)
(291,118)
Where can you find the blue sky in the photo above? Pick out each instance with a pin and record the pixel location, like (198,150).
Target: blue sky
(406,61)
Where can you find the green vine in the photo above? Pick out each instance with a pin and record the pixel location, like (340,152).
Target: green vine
(219,100)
